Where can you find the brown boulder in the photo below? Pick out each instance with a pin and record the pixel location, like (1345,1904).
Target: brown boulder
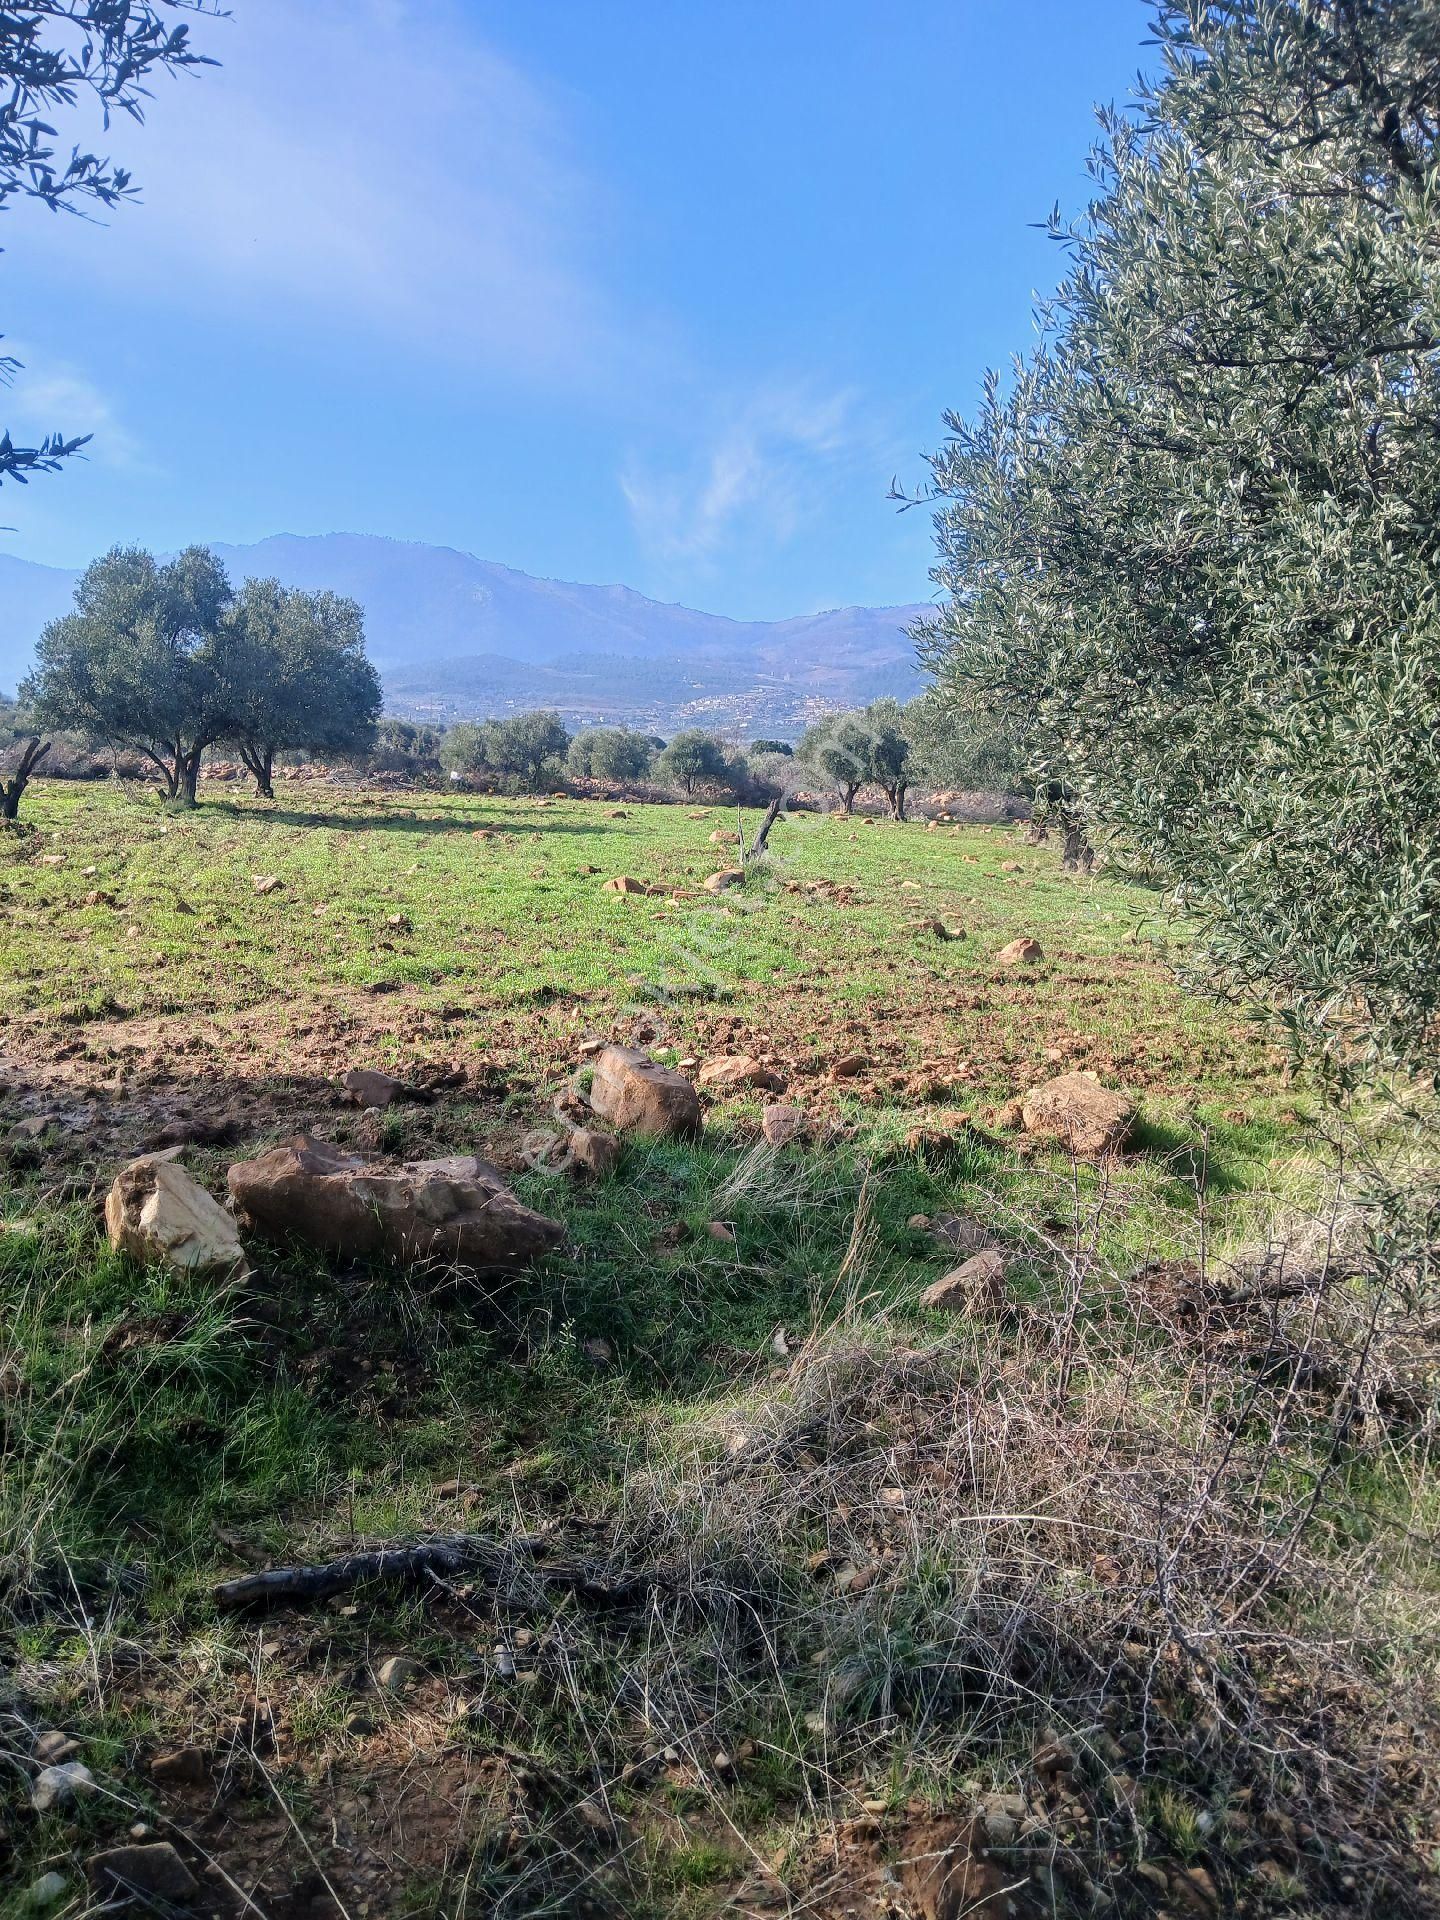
(1020,953)
(369,1088)
(723,881)
(1076,1110)
(724,837)
(978,1287)
(266,882)
(157,1214)
(781,1124)
(738,1070)
(456,1209)
(592,1152)
(626,883)
(848,1065)
(637,1095)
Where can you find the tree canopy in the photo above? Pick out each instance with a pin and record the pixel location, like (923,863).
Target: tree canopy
(1189,548)
(146,660)
(298,675)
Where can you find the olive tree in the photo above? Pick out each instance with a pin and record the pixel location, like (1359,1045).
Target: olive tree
(298,676)
(148,660)
(610,753)
(1189,549)
(22,749)
(696,758)
(838,750)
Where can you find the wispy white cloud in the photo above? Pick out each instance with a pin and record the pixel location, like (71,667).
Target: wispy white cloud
(45,396)
(766,471)
(369,166)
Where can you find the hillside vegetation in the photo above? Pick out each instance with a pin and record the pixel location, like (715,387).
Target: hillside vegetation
(1103,1587)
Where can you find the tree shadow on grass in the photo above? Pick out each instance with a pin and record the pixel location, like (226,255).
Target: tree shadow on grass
(1196,1165)
(389,822)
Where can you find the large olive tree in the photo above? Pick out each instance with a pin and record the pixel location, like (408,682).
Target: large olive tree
(298,677)
(1189,549)
(148,661)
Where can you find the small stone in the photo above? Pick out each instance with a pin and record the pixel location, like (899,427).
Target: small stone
(724,880)
(266,882)
(1023,952)
(738,1070)
(52,1746)
(848,1065)
(57,1786)
(782,1124)
(626,883)
(371,1089)
(593,1153)
(153,1872)
(45,1891)
(977,1287)
(185,1766)
(398,1672)
(718,1230)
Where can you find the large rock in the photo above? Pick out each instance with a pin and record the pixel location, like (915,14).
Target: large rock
(1023,952)
(369,1088)
(977,1287)
(724,880)
(1076,1110)
(637,1095)
(158,1215)
(457,1209)
(738,1070)
(145,1874)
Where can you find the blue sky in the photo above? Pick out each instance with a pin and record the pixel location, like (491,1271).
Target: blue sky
(653,291)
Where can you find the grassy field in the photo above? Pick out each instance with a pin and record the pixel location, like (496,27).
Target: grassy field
(806,1599)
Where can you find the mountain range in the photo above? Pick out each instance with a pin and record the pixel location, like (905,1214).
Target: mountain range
(457,637)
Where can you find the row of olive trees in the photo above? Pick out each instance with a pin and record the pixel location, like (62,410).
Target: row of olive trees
(533,748)
(935,740)
(165,660)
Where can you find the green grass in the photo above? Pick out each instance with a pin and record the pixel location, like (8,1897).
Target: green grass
(157,1435)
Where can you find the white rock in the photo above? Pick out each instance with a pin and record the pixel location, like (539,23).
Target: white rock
(161,1217)
(55,1785)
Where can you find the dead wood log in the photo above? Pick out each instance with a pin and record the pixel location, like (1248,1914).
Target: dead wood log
(495,1563)
(772,814)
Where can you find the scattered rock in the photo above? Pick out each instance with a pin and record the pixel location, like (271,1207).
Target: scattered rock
(724,837)
(637,1095)
(960,1232)
(739,1070)
(848,1065)
(45,1891)
(153,1872)
(594,1153)
(617,813)
(456,1209)
(52,1746)
(369,1088)
(266,882)
(977,1287)
(1084,1116)
(782,1124)
(399,923)
(158,1215)
(718,1230)
(1023,952)
(57,1786)
(1008,1116)
(398,1672)
(627,883)
(723,881)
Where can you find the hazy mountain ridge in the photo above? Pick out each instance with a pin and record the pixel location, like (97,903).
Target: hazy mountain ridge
(455,636)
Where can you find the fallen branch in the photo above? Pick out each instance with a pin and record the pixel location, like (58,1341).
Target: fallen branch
(495,1563)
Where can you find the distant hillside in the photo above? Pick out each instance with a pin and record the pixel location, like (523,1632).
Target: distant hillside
(455,636)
